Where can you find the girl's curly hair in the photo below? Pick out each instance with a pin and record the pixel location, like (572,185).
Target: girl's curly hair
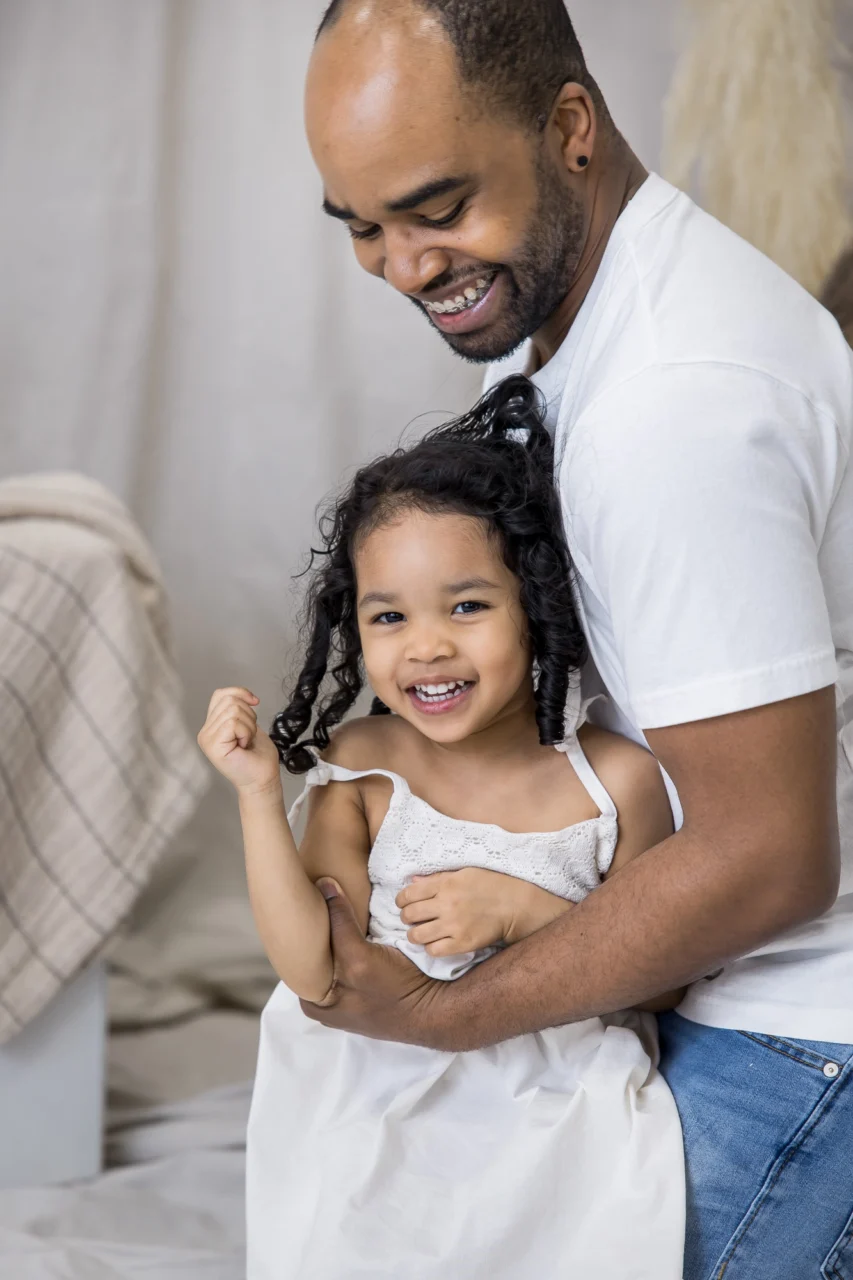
(495,464)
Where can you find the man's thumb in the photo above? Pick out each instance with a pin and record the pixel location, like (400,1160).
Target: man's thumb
(342,919)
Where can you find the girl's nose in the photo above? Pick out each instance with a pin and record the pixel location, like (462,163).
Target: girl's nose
(429,645)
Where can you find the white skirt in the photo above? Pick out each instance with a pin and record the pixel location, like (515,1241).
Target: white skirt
(556,1156)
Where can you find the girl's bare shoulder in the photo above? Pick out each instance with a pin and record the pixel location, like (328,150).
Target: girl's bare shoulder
(631,774)
(367,744)
(371,742)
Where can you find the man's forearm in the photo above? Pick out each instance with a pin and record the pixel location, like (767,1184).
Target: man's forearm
(670,917)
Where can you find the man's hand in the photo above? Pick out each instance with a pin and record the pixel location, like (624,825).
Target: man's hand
(457,911)
(376,991)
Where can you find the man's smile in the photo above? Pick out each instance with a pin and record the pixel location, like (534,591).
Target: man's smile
(460,297)
(462,310)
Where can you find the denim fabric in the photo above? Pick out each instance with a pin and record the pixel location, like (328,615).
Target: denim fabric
(768,1135)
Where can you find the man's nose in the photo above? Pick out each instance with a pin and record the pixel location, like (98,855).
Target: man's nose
(410,267)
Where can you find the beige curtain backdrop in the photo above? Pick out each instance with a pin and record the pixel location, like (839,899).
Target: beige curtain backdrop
(178,320)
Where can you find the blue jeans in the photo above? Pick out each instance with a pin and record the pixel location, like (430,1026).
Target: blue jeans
(768,1136)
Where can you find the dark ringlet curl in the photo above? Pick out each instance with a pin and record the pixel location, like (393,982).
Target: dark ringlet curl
(495,464)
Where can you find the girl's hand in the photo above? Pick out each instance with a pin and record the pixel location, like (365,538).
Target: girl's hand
(457,911)
(233,743)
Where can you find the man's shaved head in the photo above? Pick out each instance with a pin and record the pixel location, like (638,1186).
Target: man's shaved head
(517,53)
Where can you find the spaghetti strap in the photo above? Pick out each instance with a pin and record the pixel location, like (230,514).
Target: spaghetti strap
(576,756)
(323,773)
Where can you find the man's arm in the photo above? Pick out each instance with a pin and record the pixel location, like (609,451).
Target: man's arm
(757,855)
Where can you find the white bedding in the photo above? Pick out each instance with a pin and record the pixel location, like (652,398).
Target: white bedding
(172,1208)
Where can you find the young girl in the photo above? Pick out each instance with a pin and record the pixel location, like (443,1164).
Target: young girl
(474,813)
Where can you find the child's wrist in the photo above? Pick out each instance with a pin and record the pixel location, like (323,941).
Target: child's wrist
(519,913)
(533,909)
(260,794)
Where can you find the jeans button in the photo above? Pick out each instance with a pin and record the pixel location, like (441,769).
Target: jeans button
(831,1070)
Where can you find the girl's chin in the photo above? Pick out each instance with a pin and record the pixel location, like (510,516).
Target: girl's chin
(445,734)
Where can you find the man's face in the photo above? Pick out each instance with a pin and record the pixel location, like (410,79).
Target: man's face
(467,215)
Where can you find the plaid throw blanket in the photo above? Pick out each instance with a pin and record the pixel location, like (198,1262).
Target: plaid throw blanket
(97,769)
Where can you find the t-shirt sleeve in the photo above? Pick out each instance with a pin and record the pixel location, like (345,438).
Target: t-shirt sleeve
(696,499)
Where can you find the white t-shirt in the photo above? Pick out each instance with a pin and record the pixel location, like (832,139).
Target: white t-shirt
(703,409)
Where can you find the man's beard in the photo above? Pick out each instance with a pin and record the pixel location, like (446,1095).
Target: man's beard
(538,280)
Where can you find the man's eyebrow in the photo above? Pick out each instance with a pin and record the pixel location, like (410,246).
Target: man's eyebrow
(427,191)
(345,215)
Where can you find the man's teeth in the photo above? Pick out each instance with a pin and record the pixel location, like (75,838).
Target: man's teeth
(440,692)
(468,298)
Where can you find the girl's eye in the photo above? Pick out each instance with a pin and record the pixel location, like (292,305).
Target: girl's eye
(470,606)
(389,619)
(449,218)
(370,233)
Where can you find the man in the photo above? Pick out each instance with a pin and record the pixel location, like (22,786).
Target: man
(702,406)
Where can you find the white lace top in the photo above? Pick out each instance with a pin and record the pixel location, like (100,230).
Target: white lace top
(415,839)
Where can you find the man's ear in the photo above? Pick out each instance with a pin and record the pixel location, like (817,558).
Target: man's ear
(574,126)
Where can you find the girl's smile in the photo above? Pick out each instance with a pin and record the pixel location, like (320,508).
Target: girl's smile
(440,696)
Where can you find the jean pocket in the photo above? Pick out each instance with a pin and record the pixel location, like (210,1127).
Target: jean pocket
(829,1059)
(839,1264)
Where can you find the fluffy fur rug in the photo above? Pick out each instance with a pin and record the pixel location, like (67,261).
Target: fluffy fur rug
(754,127)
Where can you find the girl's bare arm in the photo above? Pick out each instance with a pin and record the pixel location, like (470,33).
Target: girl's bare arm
(289,909)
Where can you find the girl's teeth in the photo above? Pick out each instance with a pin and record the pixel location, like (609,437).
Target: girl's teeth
(439,692)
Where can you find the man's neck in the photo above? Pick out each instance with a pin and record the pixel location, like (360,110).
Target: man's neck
(611,189)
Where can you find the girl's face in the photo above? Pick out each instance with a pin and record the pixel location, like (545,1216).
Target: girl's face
(442,630)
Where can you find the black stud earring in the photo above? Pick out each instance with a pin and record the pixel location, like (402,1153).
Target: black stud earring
(583,161)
